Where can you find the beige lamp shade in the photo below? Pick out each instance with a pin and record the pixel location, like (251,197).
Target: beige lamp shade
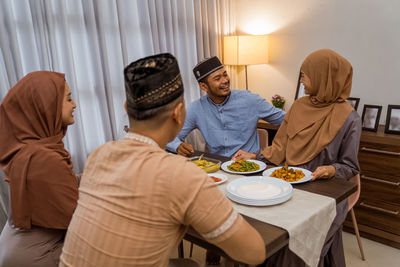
(246,50)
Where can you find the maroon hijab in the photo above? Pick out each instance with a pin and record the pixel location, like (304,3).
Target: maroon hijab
(43,187)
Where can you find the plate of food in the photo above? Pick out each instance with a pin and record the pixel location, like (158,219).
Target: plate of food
(218,178)
(293,175)
(243,166)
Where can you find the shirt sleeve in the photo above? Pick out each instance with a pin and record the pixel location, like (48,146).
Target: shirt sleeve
(173,146)
(268,112)
(204,207)
(190,124)
(212,215)
(347,164)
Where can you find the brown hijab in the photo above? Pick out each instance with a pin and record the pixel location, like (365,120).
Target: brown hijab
(313,121)
(43,187)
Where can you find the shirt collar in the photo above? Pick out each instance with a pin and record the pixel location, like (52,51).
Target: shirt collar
(141,138)
(223,103)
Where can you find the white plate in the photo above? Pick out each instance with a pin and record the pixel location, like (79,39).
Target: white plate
(261,203)
(225,165)
(259,191)
(219,175)
(307,174)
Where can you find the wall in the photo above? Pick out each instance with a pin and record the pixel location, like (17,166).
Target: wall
(366,32)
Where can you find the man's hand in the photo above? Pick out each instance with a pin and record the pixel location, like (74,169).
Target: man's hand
(185,149)
(241,154)
(324,172)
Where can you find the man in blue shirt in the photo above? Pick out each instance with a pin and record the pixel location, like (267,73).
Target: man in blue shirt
(226,118)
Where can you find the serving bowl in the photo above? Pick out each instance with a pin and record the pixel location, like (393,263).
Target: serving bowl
(207,164)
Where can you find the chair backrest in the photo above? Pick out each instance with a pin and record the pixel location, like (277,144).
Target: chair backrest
(353,198)
(263,137)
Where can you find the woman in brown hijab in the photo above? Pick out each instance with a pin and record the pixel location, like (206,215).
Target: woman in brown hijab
(321,133)
(34,117)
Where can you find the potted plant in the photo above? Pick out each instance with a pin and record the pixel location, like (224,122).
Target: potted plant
(278,101)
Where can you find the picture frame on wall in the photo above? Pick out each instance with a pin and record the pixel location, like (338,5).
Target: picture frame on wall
(393,119)
(353,101)
(370,117)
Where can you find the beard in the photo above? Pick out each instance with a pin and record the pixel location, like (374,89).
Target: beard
(222,91)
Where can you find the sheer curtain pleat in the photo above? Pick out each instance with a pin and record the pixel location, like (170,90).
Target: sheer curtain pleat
(92,41)
(4,82)
(29,57)
(39,26)
(9,44)
(227,26)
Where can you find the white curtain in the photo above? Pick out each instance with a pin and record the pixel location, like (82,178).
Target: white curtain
(92,41)
(4,201)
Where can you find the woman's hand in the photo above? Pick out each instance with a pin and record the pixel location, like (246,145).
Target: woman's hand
(324,172)
(241,154)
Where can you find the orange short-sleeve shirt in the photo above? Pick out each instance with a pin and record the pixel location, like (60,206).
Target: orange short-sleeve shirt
(135,203)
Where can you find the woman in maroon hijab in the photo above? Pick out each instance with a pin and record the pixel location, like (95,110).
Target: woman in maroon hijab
(34,117)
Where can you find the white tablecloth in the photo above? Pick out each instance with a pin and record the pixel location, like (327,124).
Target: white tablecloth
(306,216)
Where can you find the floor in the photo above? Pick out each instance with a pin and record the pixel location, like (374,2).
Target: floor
(376,254)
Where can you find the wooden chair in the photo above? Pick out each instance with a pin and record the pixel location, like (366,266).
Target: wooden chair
(263,137)
(352,200)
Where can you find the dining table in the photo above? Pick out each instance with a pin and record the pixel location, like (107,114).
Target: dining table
(275,237)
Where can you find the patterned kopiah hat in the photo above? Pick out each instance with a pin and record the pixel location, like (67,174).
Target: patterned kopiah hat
(152,82)
(206,67)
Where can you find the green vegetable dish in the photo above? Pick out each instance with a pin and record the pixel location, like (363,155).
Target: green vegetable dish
(243,166)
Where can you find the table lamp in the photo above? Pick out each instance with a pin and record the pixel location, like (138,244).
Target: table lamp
(246,50)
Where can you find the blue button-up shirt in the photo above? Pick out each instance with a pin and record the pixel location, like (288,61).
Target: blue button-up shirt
(231,125)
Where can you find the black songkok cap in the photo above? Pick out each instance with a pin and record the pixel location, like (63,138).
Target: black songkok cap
(206,67)
(152,82)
